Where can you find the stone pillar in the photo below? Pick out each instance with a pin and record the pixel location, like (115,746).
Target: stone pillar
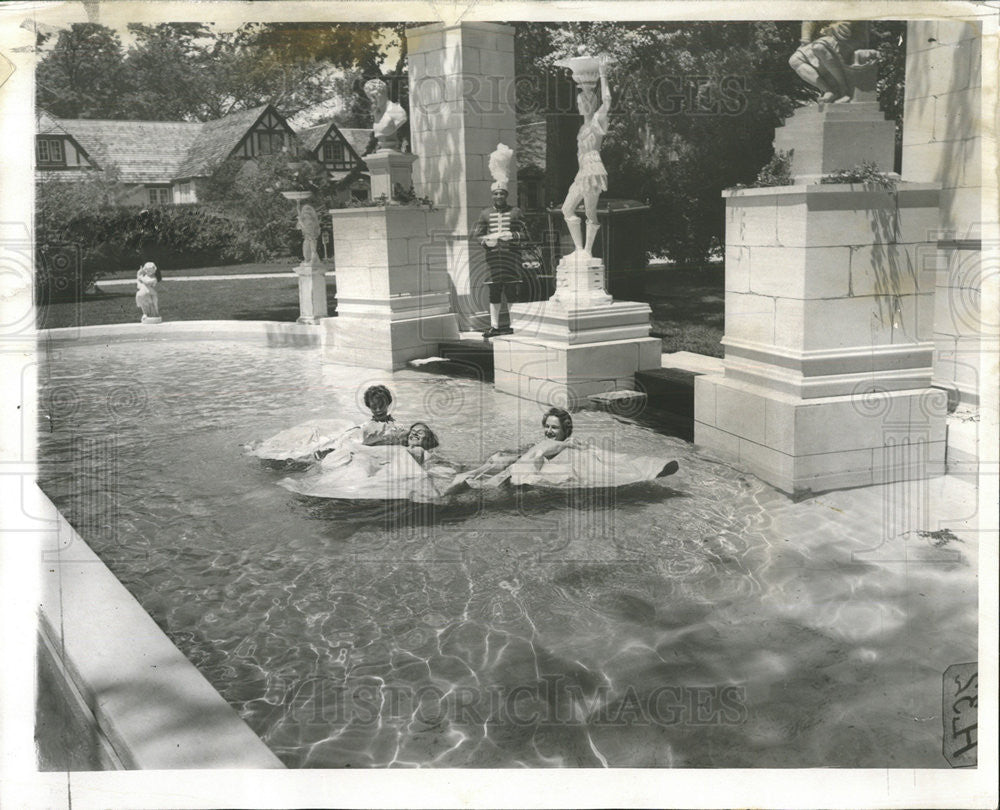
(312,291)
(829,322)
(942,143)
(461,107)
(393,302)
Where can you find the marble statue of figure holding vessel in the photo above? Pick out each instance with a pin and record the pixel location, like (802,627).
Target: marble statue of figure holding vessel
(591,177)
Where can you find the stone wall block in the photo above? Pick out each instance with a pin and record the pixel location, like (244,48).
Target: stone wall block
(750,317)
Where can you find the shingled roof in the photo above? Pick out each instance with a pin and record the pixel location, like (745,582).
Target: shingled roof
(215,141)
(357,139)
(126,144)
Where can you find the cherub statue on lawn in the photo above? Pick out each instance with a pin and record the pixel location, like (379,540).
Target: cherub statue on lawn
(146,297)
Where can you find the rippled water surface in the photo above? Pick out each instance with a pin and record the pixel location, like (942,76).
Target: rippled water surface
(699,620)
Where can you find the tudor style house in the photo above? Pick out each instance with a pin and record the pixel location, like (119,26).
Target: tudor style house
(166,162)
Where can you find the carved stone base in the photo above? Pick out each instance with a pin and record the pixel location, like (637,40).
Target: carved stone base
(580,281)
(312,291)
(388,333)
(388,169)
(828,137)
(151,319)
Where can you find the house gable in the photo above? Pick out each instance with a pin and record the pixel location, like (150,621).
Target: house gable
(56,149)
(244,134)
(270,135)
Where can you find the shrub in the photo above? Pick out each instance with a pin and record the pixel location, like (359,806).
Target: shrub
(866,174)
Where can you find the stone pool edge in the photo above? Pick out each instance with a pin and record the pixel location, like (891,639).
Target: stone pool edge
(271,333)
(151,704)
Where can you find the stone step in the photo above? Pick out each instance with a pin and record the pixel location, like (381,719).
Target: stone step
(473,356)
(669,389)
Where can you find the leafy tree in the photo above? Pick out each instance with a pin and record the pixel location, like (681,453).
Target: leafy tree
(83,75)
(250,191)
(172,73)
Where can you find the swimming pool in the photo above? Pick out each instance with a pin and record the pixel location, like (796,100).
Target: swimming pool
(691,621)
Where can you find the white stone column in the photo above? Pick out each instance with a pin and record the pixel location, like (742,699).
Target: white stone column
(312,291)
(943,141)
(461,107)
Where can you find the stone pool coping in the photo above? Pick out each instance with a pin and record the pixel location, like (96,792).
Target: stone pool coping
(150,704)
(271,333)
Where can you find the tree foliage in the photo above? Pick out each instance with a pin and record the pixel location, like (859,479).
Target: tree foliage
(83,75)
(190,71)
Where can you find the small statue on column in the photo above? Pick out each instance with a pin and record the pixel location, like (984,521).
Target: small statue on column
(387,116)
(591,177)
(826,58)
(308,223)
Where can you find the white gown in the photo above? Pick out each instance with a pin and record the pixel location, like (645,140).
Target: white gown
(300,443)
(356,471)
(585,467)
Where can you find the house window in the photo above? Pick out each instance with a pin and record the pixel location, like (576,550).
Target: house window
(333,152)
(270,143)
(159,196)
(50,151)
(360,194)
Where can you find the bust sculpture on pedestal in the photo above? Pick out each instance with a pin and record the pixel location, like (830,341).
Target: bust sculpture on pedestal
(387,116)
(834,58)
(390,170)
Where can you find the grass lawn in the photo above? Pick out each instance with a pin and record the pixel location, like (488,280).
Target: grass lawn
(222,270)
(687,305)
(688,308)
(266,299)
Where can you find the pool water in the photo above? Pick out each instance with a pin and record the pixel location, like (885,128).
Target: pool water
(694,621)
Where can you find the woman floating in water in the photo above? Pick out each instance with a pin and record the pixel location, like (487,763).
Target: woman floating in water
(357,471)
(561,461)
(314,439)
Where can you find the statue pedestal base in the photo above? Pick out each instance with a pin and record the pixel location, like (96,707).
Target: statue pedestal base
(393,294)
(312,291)
(577,343)
(828,137)
(829,327)
(151,320)
(389,169)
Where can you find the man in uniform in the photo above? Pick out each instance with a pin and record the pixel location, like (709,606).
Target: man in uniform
(500,229)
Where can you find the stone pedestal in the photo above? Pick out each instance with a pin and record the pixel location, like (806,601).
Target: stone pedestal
(312,291)
(829,137)
(390,170)
(576,344)
(829,338)
(393,302)
(461,106)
